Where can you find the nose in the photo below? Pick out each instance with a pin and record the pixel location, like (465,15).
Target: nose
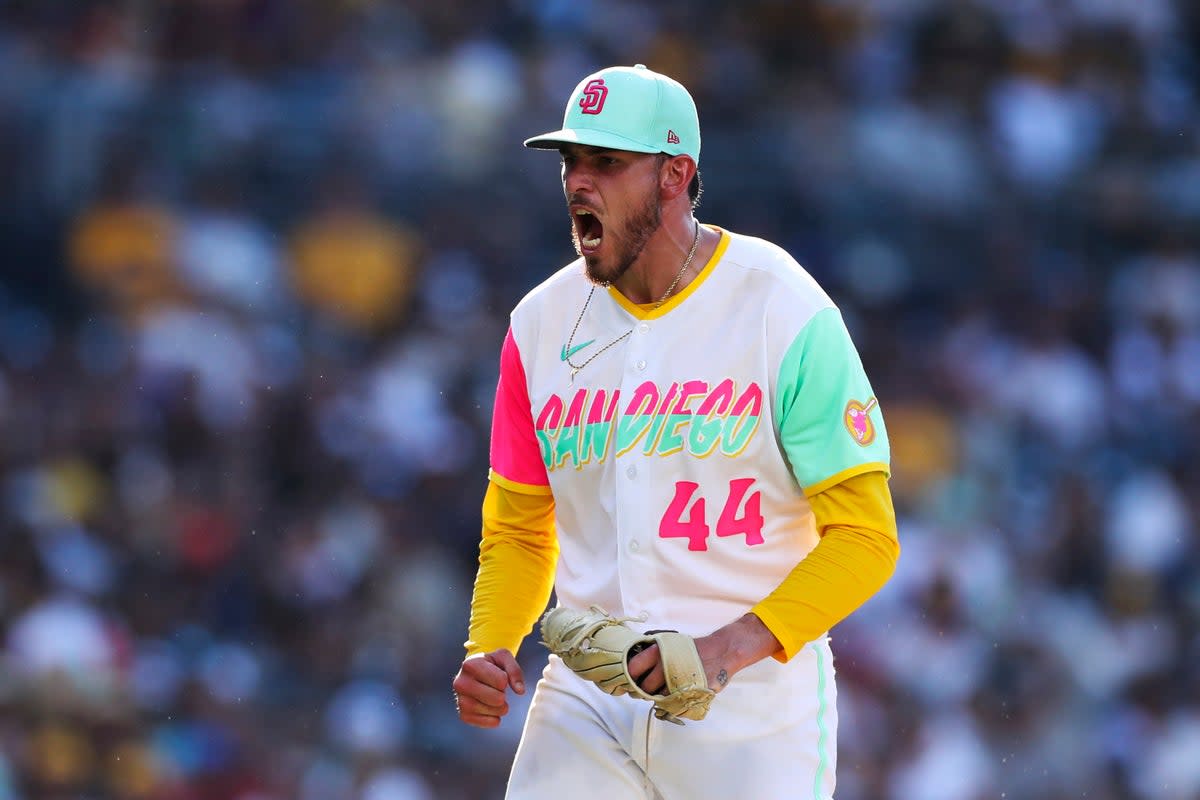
(575,177)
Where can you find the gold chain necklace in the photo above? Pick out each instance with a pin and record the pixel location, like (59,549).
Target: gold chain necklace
(571,339)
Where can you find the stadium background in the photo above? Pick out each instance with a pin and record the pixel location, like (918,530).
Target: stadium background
(257,261)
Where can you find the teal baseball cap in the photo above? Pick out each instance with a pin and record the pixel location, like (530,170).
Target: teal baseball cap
(628,108)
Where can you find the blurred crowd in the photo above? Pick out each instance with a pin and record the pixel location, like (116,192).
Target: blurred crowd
(258,260)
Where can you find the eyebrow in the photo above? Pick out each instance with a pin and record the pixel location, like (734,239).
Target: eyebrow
(586,149)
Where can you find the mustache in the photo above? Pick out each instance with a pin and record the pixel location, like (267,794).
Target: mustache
(578,199)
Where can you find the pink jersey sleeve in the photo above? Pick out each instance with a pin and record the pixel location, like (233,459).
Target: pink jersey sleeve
(515,456)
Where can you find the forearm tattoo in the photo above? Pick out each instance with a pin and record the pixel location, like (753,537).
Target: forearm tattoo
(722,677)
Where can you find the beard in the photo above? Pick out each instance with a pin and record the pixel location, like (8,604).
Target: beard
(626,247)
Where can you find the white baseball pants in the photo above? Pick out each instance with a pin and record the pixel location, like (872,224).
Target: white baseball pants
(770,735)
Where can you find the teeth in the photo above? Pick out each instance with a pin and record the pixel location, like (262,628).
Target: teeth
(583,212)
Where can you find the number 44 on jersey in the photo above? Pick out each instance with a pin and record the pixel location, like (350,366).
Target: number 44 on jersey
(695,529)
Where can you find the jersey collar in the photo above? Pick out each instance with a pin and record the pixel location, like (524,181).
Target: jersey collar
(648,311)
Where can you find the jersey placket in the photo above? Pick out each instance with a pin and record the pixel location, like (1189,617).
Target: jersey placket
(636,520)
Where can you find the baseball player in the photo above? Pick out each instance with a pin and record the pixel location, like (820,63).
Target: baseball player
(684,437)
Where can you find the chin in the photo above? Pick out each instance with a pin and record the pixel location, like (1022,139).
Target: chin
(597,273)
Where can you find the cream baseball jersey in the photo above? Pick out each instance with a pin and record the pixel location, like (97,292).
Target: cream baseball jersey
(680,458)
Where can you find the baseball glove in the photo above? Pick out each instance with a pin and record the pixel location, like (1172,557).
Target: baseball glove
(598,646)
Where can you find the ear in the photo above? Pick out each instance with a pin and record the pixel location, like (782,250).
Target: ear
(675,176)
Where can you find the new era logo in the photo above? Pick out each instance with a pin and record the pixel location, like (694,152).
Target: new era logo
(672,137)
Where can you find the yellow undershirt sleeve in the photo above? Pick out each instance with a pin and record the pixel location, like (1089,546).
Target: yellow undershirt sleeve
(854,559)
(517,558)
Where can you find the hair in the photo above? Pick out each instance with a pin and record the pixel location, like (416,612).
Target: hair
(695,188)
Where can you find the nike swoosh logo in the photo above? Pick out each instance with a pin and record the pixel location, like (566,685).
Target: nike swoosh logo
(565,354)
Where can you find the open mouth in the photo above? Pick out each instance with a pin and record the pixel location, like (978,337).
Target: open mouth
(589,229)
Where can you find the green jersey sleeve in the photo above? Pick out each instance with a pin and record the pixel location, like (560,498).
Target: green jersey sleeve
(830,423)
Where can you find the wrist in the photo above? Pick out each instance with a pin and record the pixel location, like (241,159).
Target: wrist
(750,641)
(735,646)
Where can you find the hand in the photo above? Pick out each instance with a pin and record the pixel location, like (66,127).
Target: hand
(480,687)
(723,652)
(647,669)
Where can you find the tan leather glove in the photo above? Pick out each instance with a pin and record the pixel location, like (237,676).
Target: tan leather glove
(598,646)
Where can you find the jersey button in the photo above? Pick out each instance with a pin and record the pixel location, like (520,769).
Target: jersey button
(641,365)
(631,471)
(644,328)
(634,546)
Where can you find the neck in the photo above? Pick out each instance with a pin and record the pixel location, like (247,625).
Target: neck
(660,262)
